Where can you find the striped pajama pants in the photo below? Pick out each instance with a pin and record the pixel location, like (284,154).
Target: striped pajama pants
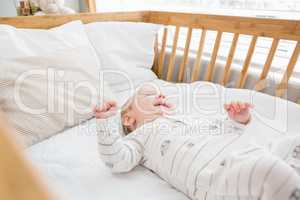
(258,175)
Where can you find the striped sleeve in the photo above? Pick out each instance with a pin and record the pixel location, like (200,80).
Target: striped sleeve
(119,154)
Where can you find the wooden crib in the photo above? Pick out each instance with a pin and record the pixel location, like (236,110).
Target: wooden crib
(17,180)
(271,28)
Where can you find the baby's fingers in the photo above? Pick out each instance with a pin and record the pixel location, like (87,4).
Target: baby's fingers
(103,108)
(97,109)
(243,106)
(238,106)
(231,110)
(112,103)
(107,106)
(231,113)
(249,105)
(234,107)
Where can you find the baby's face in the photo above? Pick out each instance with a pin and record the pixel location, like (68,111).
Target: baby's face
(146,106)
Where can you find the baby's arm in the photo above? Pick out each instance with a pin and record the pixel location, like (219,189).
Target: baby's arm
(119,154)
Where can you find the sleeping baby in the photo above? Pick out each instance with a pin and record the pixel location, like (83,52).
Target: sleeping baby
(205,158)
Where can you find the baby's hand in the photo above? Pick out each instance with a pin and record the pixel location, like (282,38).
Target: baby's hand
(106,110)
(239,112)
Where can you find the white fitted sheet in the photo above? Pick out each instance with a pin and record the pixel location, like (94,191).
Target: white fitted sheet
(71,167)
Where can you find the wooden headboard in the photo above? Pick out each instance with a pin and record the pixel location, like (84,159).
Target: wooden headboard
(272,28)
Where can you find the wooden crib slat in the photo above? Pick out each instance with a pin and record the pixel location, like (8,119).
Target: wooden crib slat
(269,60)
(91,5)
(197,67)
(243,75)
(226,72)
(156,55)
(183,64)
(282,86)
(162,52)
(173,55)
(261,84)
(211,65)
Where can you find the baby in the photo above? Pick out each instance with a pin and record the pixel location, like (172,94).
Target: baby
(203,158)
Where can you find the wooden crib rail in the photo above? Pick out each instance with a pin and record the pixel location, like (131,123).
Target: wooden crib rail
(50,21)
(274,28)
(17,180)
(254,27)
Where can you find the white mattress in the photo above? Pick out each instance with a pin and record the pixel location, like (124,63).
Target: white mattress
(71,167)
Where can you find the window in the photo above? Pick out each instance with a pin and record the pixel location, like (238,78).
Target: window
(260,8)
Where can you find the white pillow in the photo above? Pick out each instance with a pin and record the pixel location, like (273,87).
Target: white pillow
(49,79)
(125,50)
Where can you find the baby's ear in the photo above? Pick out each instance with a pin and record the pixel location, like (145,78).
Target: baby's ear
(127,120)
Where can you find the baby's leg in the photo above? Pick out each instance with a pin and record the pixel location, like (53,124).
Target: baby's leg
(288,149)
(264,177)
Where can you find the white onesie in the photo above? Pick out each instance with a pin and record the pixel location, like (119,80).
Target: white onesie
(195,156)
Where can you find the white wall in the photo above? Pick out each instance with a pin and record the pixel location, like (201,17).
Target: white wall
(7,8)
